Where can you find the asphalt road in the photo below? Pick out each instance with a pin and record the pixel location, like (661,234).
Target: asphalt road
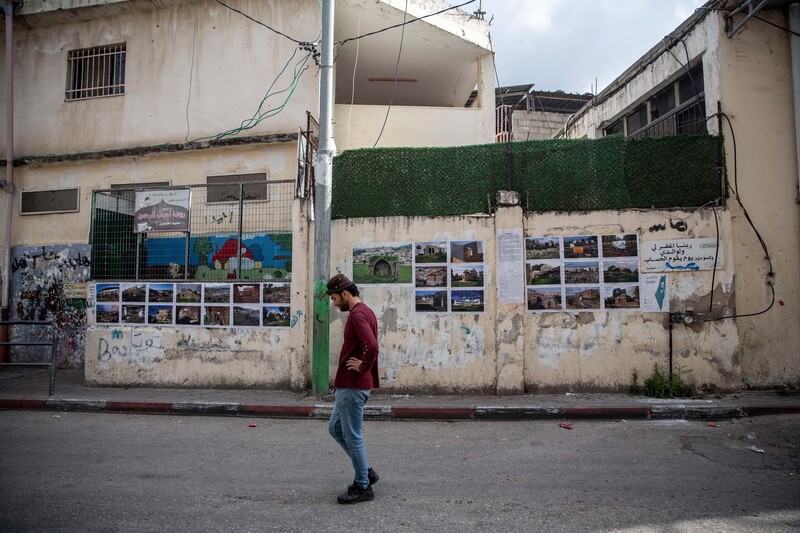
(108,472)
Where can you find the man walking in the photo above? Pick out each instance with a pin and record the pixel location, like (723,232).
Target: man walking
(356,376)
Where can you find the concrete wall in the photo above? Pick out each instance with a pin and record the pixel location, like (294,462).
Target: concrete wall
(421,352)
(509,350)
(750,76)
(599,350)
(179,168)
(756,93)
(161,66)
(536,125)
(275,358)
(358,126)
(646,78)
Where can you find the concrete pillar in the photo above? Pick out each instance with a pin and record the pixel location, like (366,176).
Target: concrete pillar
(510,264)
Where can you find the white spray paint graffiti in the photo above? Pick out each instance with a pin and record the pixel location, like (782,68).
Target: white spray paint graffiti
(143,349)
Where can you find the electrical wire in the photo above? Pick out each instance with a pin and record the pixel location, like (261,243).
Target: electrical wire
(687,66)
(716,257)
(404,23)
(776,25)
(353,91)
(736,196)
(191,76)
(299,68)
(396,70)
(270,28)
(754,16)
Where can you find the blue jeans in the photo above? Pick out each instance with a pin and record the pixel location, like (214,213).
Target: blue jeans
(345,427)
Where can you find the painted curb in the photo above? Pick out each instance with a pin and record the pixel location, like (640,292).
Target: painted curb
(385,412)
(606,413)
(434,413)
(22,403)
(766,409)
(68,404)
(138,407)
(517,413)
(281,411)
(695,412)
(204,408)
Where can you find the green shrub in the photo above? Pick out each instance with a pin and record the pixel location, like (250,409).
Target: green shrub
(659,385)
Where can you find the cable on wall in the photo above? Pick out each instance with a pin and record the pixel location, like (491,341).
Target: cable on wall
(771,273)
(191,75)
(396,70)
(404,23)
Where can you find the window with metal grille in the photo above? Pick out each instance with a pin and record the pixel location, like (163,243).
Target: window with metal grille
(226,188)
(677,108)
(50,201)
(95,72)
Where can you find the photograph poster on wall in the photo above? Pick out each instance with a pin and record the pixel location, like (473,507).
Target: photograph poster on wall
(212,305)
(582,273)
(382,263)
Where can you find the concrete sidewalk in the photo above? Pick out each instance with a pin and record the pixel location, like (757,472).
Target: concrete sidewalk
(27,389)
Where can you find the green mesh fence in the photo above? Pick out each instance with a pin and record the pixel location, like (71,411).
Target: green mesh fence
(552,175)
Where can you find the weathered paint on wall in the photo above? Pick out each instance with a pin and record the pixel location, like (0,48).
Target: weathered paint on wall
(421,351)
(599,350)
(169,50)
(180,356)
(508,350)
(756,92)
(182,168)
(38,275)
(749,76)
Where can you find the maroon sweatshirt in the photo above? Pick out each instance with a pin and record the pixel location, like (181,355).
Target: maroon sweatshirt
(361,342)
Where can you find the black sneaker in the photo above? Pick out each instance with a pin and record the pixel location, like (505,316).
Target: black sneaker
(372,476)
(355,494)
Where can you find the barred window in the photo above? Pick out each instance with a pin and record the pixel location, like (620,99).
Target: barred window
(49,201)
(226,188)
(95,72)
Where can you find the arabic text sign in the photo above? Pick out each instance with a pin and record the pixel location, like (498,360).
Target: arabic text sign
(162,210)
(680,254)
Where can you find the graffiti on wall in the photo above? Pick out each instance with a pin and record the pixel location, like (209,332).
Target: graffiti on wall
(38,276)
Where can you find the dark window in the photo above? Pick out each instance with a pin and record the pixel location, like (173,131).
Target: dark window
(663,102)
(97,71)
(52,201)
(226,188)
(637,119)
(616,127)
(691,86)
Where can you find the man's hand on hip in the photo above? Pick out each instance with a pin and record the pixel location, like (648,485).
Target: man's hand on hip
(353,364)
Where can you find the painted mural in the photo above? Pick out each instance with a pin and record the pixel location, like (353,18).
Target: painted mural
(266,257)
(38,278)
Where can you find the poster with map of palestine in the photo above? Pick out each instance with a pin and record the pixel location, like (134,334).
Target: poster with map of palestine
(654,293)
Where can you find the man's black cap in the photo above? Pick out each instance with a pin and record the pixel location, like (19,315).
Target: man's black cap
(338,283)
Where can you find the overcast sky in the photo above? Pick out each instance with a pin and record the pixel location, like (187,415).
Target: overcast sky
(566,44)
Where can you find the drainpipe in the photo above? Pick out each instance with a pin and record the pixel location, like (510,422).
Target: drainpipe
(9,181)
(322,207)
(794,25)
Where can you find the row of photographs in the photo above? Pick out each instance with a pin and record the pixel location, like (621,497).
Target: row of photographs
(583,298)
(277,316)
(452,276)
(193,293)
(454,301)
(397,263)
(582,247)
(581,272)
